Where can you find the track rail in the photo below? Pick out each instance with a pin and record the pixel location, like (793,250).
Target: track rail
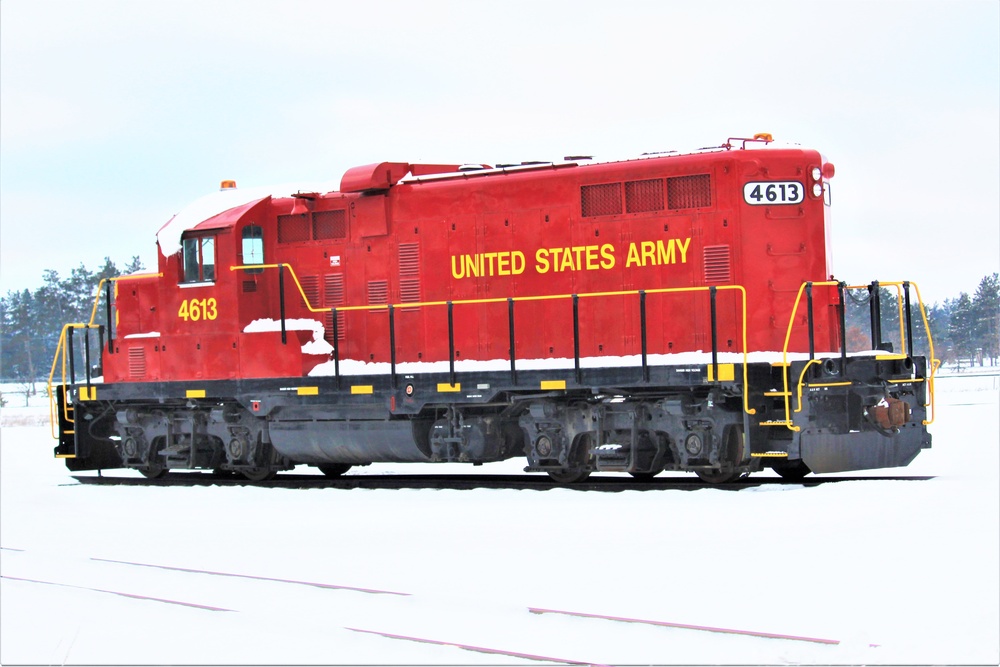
(469,482)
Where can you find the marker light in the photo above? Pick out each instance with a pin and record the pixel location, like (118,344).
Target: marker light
(227,185)
(828,170)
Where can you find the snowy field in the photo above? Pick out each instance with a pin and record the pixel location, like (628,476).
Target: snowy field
(872,572)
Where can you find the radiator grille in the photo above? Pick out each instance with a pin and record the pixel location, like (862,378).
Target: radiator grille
(717,264)
(136,363)
(642,196)
(378,293)
(310,286)
(604,199)
(293,228)
(689,191)
(409,272)
(329,225)
(333,296)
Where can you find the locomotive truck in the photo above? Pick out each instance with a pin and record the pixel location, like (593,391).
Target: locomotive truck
(676,311)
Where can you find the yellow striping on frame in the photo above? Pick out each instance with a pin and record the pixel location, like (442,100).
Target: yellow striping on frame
(195,393)
(362,389)
(88,393)
(769,455)
(553,384)
(444,387)
(308,391)
(727,372)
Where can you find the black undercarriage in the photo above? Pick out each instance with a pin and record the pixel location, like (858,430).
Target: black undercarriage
(846,413)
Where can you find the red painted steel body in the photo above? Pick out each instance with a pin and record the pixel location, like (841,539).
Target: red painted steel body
(441,234)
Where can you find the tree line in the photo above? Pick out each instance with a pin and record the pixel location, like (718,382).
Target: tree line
(32,320)
(966,329)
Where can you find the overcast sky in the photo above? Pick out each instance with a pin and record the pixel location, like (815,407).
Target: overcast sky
(115,115)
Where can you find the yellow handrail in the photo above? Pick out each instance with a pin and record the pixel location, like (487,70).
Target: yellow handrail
(546,297)
(934,363)
(62,350)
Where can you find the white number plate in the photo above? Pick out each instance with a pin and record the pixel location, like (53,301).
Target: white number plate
(764,193)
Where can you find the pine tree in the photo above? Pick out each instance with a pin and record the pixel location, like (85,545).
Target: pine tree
(986,315)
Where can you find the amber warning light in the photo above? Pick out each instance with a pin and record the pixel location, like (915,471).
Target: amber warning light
(227,185)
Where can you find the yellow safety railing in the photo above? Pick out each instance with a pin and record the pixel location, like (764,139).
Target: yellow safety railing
(934,363)
(63,352)
(546,297)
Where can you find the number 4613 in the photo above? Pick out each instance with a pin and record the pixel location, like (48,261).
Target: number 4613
(198,309)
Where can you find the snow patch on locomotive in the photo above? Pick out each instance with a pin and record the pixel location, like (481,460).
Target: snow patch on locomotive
(317,345)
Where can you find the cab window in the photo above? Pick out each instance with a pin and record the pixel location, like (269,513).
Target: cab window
(199,259)
(253,247)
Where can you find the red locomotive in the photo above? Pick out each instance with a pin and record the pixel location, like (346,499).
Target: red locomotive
(676,311)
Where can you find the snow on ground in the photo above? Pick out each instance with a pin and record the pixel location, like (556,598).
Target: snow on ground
(894,571)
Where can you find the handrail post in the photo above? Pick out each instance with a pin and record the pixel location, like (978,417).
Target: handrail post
(107,308)
(875,311)
(712,292)
(809,316)
(392,345)
(451,343)
(642,334)
(336,347)
(576,337)
(841,286)
(909,319)
(72,356)
(281,302)
(100,340)
(510,334)
(86,356)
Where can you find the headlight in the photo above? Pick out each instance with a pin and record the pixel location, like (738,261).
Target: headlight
(816,173)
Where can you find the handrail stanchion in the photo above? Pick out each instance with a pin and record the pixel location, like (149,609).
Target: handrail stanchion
(809,316)
(392,345)
(100,340)
(510,334)
(642,333)
(712,292)
(336,347)
(909,319)
(576,337)
(842,309)
(86,356)
(451,343)
(107,310)
(72,356)
(281,302)
(875,311)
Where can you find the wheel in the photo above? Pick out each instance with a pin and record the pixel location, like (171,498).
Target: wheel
(644,476)
(568,475)
(259,474)
(153,471)
(793,471)
(732,454)
(334,469)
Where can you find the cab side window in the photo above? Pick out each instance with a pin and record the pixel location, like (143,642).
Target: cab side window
(253,247)
(199,259)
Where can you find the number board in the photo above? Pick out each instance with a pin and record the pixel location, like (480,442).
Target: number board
(769,193)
